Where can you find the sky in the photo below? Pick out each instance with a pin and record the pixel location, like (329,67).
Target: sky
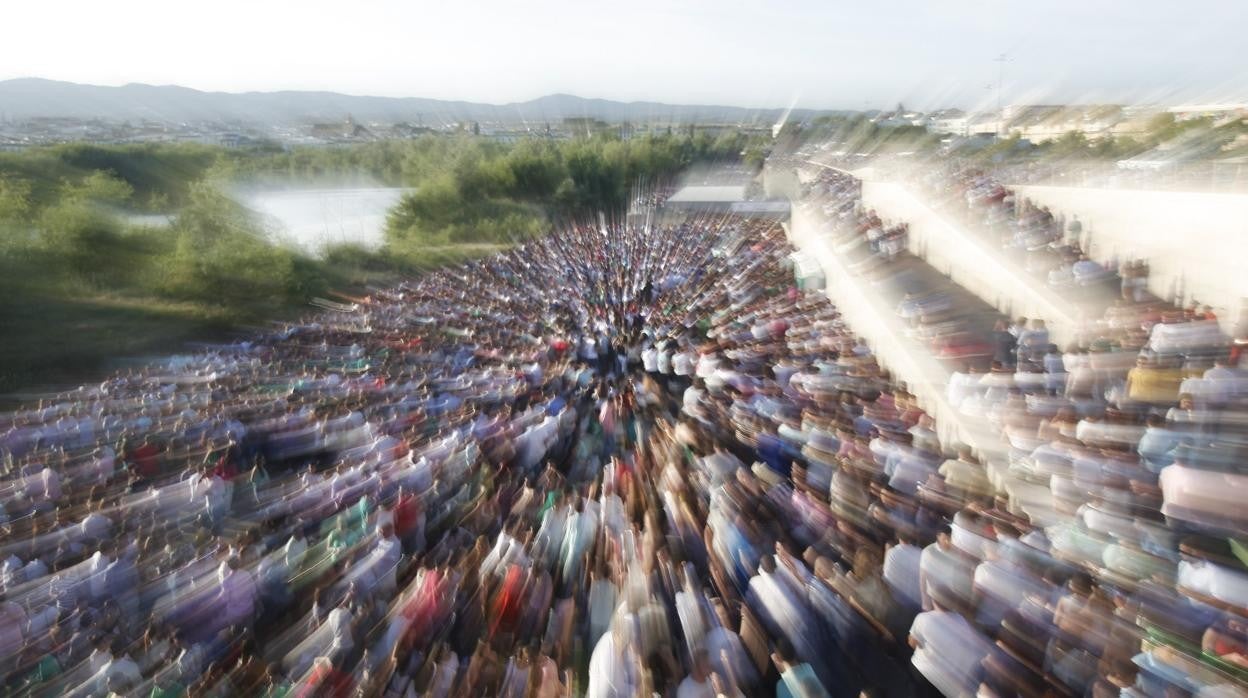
(826,54)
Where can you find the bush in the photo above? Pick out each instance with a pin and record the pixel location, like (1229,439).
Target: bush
(86,241)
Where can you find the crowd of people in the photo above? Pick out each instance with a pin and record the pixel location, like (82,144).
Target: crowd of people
(1103,548)
(602,463)
(1045,243)
(620,461)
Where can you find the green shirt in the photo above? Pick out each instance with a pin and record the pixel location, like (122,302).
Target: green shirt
(173,690)
(47,668)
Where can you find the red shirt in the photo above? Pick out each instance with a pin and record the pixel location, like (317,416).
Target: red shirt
(146,459)
(406,512)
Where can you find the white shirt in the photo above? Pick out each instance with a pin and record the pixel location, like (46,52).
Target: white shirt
(949,651)
(901,572)
(294,552)
(690,688)
(682,364)
(650,359)
(665,361)
(611,671)
(692,397)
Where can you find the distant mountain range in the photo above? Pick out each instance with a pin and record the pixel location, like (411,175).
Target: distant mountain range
(35,97)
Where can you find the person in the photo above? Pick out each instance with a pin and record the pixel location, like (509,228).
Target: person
(1005,344)
(295,549)
(698,683)
(614,666)
(238,594)
(945,574)
(726,652)
(901,571)
(964,476)
(666,558)
(948,651)
(1033,339)
(13,623)
(1157,445)
(603,595)
(797,678)
(650,358)
(385,558)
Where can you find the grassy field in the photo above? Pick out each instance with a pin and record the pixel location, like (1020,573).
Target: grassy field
(53,342)
(58,342)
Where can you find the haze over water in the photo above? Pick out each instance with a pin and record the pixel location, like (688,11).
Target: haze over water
(316,218)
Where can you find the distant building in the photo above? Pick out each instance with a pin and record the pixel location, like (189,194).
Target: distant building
(238,140)
(584,126)
(347,130)
(951,121)
(513,135)
(1038,123)
(900,117)
(406,130)
(1221,113)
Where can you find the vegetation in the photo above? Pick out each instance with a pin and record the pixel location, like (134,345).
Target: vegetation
(80,283)
(858,134)
(1187,140)
(471,190)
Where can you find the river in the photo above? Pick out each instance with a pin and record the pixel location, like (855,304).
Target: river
(316,218)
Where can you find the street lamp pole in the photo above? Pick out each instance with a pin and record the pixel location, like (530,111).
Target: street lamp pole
(1000,60)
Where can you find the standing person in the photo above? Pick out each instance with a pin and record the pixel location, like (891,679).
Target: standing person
(608,414)
(797,678)
(650,359)
(615,669)
(1005,344)
(238,594)
(901,572)
(1033,339)
(1019,327)
(208,494)
(697,684)
(948,651)
(385,558)
(12,634)
(663,363)
(682,368)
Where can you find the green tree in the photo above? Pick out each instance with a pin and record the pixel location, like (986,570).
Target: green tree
(16,205)
(85,240)
(100,188)
(222,257)
(1071,144)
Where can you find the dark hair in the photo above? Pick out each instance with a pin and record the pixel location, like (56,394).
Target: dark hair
(785,649)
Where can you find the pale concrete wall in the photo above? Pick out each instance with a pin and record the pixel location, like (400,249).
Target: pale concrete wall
(972,262)
(780,182)
(1196,243)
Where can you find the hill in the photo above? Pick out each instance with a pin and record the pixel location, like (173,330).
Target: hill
(25,98)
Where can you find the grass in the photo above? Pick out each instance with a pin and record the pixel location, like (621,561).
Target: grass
(55,338)
(436,256)
(53,341)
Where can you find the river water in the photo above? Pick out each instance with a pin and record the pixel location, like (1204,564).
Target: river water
(316,218)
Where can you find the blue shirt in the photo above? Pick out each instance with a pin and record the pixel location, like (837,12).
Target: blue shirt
(1156,448)
(799,681)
